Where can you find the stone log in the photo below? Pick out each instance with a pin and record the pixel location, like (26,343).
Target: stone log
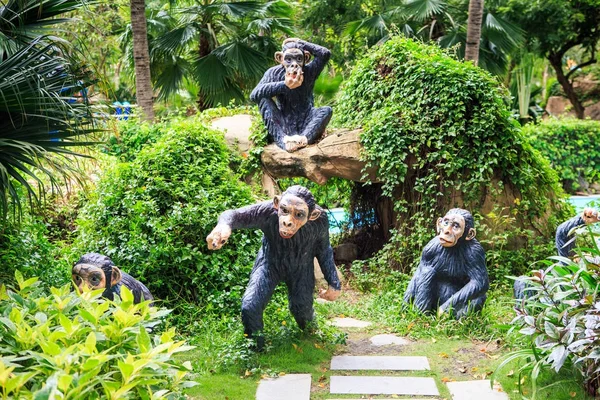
(336,155)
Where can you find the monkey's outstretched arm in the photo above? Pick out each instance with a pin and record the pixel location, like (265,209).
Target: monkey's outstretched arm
(321,56)
(325,258)
(562,235)
(248,217)
(268,87)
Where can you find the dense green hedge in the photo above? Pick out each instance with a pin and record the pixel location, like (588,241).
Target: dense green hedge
(435,126)
(573,148)
(152,215)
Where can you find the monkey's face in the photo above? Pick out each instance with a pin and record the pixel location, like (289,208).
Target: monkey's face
(92,277)
(293,214)
(451,229)
(293,60)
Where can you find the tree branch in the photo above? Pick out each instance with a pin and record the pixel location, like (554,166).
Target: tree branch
(591,61)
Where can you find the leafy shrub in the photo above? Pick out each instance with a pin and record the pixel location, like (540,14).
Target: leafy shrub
(561,319)
(64,345)
(152,216)
(438,129)
(571,145)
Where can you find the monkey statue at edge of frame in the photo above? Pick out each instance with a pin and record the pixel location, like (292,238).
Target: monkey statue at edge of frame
(285,95)
(452,274)
(96,271)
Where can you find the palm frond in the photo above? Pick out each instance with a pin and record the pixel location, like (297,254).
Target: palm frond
(170,75)
(422,10)
(266,26)
(247,62)
(374,25)
(211,74)
(175,39)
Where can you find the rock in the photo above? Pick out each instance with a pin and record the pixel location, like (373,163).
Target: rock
(388,339)
(236,129)
(345,252)
(319,278)
(288,387)
(468,390)
(557,105)
(349,323)
(338,154)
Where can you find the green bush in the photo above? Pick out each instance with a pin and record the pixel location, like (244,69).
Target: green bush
(71,346)
(152,215)
(436,129)
(561,319)
(572,147)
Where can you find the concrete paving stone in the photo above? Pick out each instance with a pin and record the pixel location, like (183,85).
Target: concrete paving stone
(470,390)
(287,387)
(379,363)
(349,323)
(388,339)
(383,385)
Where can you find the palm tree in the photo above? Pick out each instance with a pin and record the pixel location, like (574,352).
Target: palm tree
(141,57)
(474,30)
(40,117)
(446,23)
(222,47)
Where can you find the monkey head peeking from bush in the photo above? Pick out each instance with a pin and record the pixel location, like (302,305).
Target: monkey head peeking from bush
(452,273)
(95,271)
(295,231)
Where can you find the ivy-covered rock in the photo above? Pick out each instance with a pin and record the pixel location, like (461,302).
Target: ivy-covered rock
(440,133)
(151,217)
(572,147)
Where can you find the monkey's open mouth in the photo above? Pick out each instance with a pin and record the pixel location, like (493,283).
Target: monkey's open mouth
(286,235)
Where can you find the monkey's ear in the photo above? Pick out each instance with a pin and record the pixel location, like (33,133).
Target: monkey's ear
(471,234)
(115,276)
(438,225)
(314,215)
(276,202)
(279,57)
(306,57)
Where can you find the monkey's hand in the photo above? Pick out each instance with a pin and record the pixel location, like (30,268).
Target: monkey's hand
(292,39)
(218,237)
(294,80)
(295,142)
(330,294)
(590,216)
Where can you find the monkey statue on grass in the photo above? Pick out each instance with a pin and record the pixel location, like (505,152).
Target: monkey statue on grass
(99,272)
(295,231)
(285,95)
(452,273)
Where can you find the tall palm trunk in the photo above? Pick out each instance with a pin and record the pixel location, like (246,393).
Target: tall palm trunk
(474,30)
(141,57)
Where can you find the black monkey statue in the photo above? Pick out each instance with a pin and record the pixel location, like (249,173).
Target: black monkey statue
(295,231)
(564,246)
(452,272)
(285,95)
(99,272)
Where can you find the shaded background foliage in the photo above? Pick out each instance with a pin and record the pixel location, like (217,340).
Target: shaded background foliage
(152,215)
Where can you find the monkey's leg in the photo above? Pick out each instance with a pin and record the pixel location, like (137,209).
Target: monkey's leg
(273,120)
(300,296)
(258,293)
(316,124)
(474,305)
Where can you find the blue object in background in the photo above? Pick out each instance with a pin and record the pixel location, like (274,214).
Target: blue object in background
(122,110)
(338,216)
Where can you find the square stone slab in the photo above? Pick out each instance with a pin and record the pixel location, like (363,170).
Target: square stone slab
(287,387)
(469,390)
(388,339)
(383,385)
(379,363)
(349,323)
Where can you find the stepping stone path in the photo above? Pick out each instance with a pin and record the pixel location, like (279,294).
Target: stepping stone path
(388,339)
(297,386)
(287,387)
(468,390)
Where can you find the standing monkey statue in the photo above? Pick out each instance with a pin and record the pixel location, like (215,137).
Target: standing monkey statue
(295,231)
(285,95)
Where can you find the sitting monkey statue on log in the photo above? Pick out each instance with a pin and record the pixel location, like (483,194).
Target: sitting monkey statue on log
(291,119)
(452,272)
(96,271)
(295,231)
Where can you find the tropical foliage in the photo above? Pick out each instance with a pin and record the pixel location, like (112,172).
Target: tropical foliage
(40,116)
(560,317)
(222,47)
(64,345)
